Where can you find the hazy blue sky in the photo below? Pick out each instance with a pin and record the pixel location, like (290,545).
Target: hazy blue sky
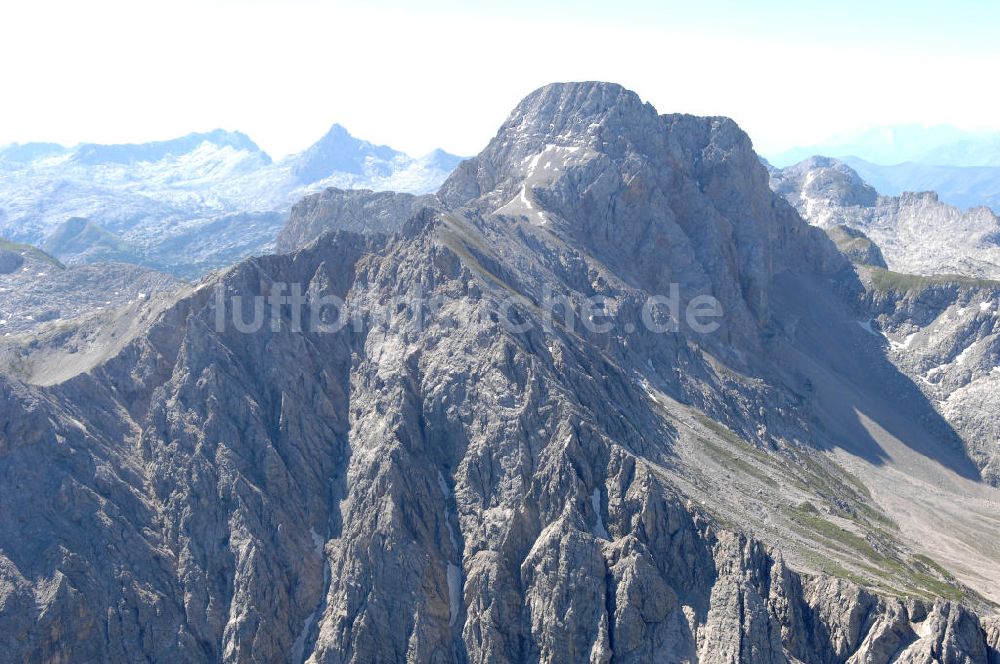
(418,75)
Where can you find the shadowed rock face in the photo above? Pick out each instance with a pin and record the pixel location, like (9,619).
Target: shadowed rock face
(940,330)
(945,335)
(10,261)
(444,488)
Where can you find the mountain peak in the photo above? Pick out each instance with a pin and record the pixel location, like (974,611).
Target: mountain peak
(128,153)
(338,152)
(824,178)
(576,110)
(338,130)
(27,152)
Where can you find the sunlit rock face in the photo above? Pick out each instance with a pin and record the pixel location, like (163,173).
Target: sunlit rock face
(437,484)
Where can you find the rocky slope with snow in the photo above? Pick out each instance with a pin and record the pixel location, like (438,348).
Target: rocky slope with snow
(458,476)
(187,205)
(945,334)
(37,291)
(916,232)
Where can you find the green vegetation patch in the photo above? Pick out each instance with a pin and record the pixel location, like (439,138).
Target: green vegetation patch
(885,280)
(30,252)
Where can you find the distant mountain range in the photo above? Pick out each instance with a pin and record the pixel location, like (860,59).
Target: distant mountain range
(963,168)
(189,204)
(896,144)
(537,466)
(918,233)
(962,186)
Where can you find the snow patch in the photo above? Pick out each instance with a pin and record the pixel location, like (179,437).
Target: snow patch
(524,198)
(454,593)
(318,541)
(599,529)
(907,342)
(443,486)
(964,355)
(866,325)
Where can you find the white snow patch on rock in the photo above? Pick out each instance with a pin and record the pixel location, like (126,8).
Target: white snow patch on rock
(599,529)
(454,593)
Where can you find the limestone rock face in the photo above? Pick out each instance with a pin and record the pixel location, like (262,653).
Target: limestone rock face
(945,335)
(356,210)
(916,232)
(435,483)
(37,292)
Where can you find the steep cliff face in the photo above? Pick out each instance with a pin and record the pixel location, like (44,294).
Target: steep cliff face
(945,334)
(455,475)
(358,210)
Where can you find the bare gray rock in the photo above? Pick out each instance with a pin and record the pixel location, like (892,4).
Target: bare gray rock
(358,210)
(916,232)
(857,246)
(433,485)
(39,291)
(945,334)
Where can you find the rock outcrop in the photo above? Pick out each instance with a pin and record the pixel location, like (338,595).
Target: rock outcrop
(916,232)
(358,210)
(37,291)
(455,475)
(857,246)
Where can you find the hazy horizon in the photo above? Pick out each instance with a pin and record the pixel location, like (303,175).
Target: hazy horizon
(446,75)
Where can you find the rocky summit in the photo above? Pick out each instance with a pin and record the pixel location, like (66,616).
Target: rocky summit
(470,437)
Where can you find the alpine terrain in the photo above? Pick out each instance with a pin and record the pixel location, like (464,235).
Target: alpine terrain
(186,205)
(916,232)
(450,453)
(962,167)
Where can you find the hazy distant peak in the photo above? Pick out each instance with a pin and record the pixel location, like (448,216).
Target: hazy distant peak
(440,159)
(27,152)
(128,153)
(897,144)
(338,152)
